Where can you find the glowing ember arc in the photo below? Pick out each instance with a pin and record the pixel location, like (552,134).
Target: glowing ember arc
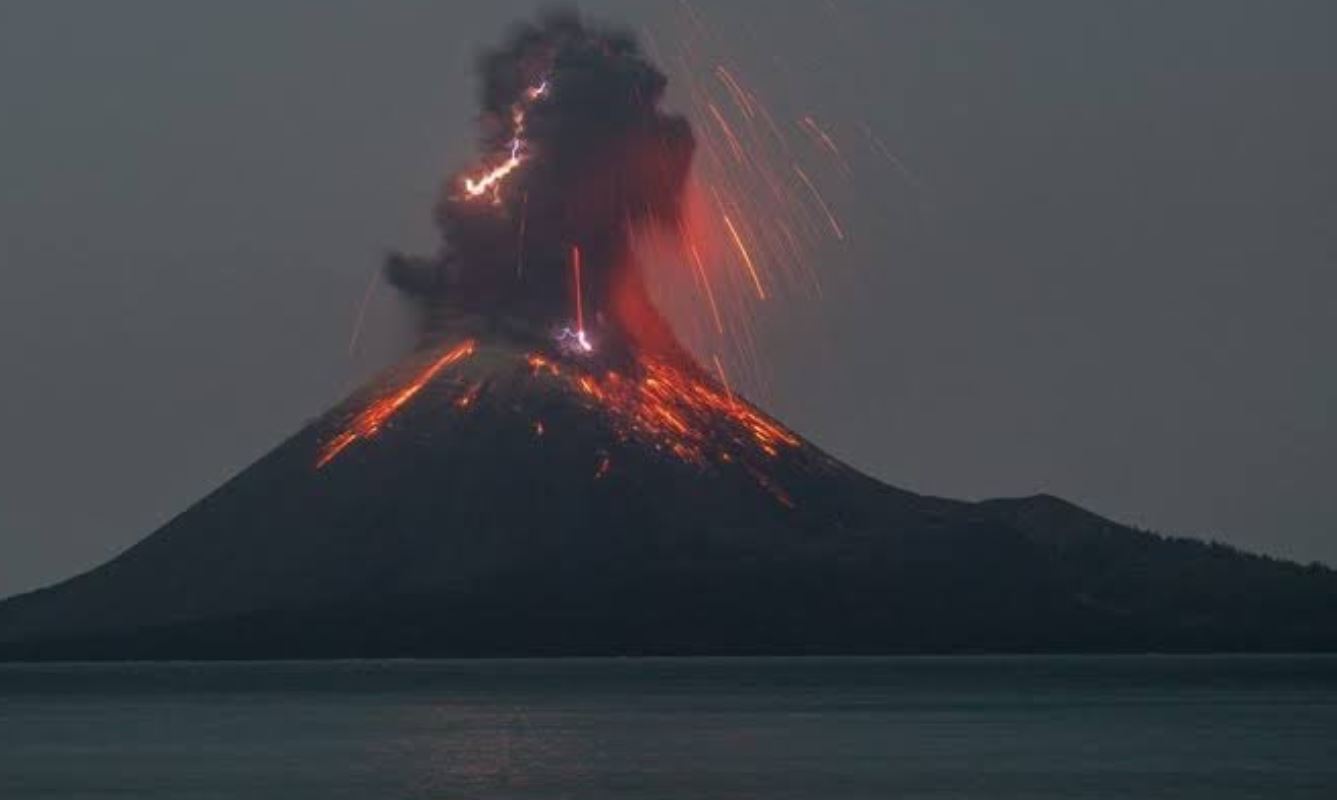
(747,257)
(368,422)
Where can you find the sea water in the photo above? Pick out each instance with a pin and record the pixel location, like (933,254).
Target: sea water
(1007,727)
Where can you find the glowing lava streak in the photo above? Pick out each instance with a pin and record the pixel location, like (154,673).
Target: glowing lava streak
(705,283)
(672,410)
(816,195)
(371,419)
(747,257)
(582,342)
(575,279)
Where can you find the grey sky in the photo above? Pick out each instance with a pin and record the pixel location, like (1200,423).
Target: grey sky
(1111,277)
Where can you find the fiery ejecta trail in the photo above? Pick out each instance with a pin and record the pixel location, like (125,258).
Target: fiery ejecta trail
(724,379)
(735,88)
(756,231)
(734,145)
(705,282)
(824,140)
(816,195)
(575,281)
(580,338)
(362,313)
(371,419)
(747,257)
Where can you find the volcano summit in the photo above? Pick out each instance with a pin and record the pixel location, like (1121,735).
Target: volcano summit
(553,473)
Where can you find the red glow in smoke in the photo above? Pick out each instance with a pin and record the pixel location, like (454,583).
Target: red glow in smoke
(763,211)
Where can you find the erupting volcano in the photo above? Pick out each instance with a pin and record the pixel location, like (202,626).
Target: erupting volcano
(537,255)
(553,472)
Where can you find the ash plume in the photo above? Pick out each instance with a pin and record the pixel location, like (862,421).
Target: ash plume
(577,154)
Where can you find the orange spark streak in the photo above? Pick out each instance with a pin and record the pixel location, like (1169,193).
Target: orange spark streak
(822,135)
(747,258)
(724,379)
(371,419)
(362,311)
(580,304)
(825,140)
(881,148)
(831,218)
(740,96)
(470,396)
(538,364)
(710,294)
(734,144)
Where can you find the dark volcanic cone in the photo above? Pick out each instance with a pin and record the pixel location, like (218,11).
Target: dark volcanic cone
(506,510)
(510,490)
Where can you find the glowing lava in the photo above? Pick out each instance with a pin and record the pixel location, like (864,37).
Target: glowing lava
(368,422)
(672,411)
(663,408)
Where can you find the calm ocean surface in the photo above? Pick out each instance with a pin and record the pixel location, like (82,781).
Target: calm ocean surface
(1032,727)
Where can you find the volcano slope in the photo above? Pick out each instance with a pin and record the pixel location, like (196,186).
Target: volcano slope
(526,503)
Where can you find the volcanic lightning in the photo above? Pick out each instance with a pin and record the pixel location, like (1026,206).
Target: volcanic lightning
(491,179)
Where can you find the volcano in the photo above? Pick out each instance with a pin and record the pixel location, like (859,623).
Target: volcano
(523,504)
(552,472)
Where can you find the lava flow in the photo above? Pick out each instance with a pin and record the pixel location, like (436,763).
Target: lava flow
(654,404)
(368,422)
(671,411)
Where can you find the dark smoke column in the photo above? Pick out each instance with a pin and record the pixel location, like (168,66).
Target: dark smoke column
(579,155)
